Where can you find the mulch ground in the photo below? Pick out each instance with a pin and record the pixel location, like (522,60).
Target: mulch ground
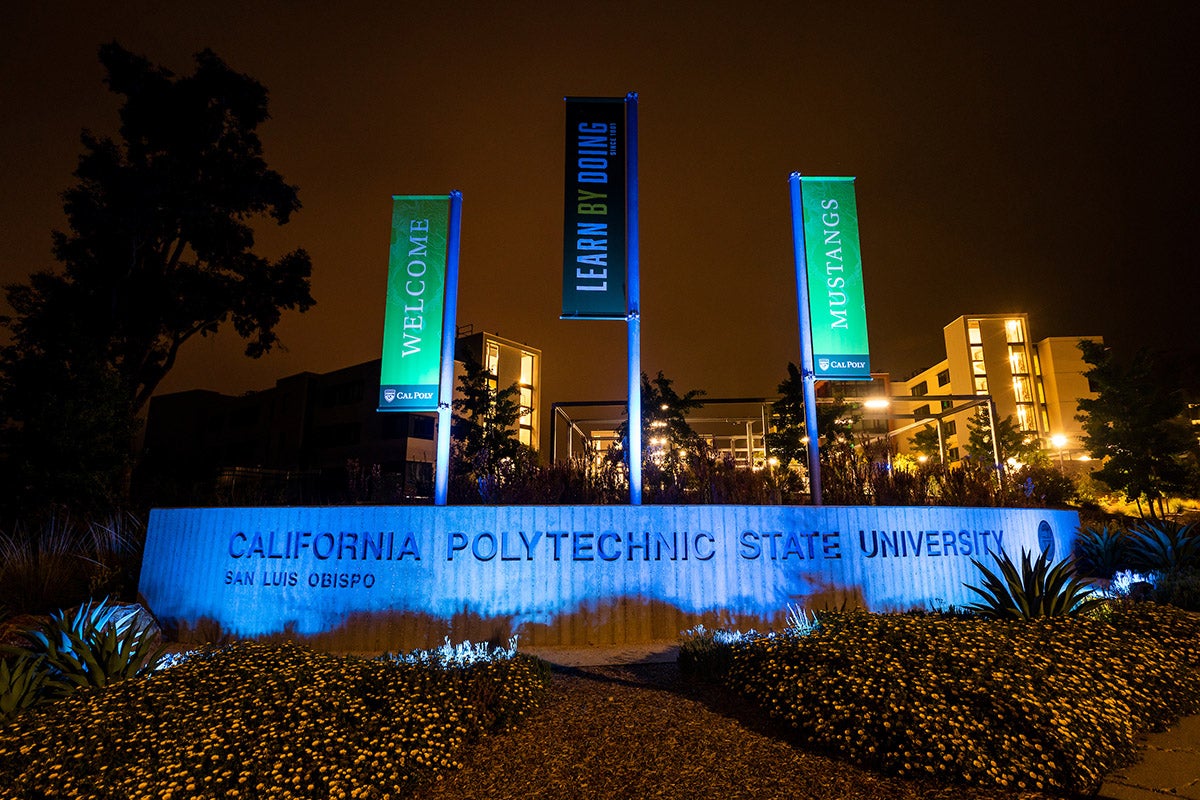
(640,731)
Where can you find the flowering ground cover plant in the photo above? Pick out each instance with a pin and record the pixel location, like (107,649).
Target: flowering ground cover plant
(266,721)
(1049,704)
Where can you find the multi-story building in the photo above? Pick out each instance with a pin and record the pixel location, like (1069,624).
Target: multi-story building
(307,436)
(1037,384)
(513,364)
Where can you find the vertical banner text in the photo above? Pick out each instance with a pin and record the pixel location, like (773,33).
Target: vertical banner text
(836,302)
(416,288)
(594,209)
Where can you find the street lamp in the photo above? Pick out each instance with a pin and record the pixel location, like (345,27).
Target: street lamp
(1059,441)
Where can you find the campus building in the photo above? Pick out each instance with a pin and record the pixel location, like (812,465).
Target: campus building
(1037,384)
(314,437)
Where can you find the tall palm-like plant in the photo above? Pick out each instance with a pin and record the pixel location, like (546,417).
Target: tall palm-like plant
(1036,590)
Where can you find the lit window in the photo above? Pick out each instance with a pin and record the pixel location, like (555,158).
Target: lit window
(493,358)
(1012,329)
(525,436)
(978,368)
(1023,418)
(1021,390)
(526,405)
(981,386)
(527,369)
(973,335)
(977,354)
(1016,357)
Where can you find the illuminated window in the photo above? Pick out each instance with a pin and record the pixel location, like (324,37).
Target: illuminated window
(1025,418)
(1013,331)
(973,335)
(977,354)
(525,436)
(1021,390)
(981,386)
(978,368)
(1045,420)
(1042,394)
(1016,358)
(526,405)
(527,369)
(493,357)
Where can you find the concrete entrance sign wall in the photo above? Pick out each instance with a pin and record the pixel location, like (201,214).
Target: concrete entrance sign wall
(374,578)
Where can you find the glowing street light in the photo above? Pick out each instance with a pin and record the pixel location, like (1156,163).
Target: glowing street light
(876,403)
(1059,441)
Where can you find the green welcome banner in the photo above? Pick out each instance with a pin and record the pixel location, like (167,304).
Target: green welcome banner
(836,302)
(416,293)
(594,210)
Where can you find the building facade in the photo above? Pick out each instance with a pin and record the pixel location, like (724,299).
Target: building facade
(1036,384)
(314,437)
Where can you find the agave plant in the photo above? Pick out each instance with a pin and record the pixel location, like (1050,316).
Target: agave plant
(1164,546)
(1101,552)
(91,646)
(1037,590)
(22,684)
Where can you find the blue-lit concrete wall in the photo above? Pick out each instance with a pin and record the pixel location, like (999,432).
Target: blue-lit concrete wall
(373,578)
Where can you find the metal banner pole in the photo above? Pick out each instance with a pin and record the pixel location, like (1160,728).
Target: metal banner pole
(633,290)
(441,475)
(808,376)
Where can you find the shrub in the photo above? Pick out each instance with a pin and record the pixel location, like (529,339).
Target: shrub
(1051,704)
(705,654)
(253,719)
(93,645)
(63,561)
(1179,588)
(22,684)
(1101,552)
(1164,546)
(1038,590)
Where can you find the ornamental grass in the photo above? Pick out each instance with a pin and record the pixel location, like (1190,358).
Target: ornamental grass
(1048,704)
(265,721)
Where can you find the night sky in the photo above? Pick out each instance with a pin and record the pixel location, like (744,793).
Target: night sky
(1010,157)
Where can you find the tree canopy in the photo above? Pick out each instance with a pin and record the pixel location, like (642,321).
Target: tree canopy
(159,249)
(1012,442)
(787,438)
(1136,426)
(485,422)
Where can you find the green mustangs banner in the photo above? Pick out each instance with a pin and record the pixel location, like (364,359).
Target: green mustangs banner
(836,303)
(416,292)
(594,215)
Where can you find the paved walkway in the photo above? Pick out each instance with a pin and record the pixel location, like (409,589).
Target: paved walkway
(605,655)
(1169,767)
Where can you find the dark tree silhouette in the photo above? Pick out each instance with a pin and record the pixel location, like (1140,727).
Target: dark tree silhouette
(485,424)
(159,250)
(1136,425)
